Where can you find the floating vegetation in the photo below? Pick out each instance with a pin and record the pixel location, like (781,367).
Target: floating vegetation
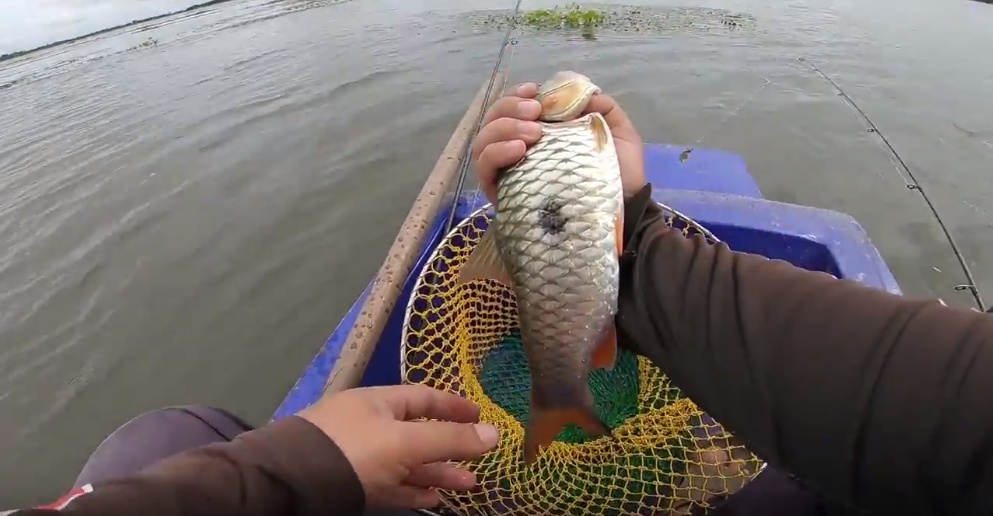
(599,18)
(572,16)
(150,42)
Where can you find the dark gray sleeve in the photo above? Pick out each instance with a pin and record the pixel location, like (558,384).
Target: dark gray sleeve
(288,468)
(876,400)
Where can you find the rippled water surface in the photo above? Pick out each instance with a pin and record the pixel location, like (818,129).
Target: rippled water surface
(185,220)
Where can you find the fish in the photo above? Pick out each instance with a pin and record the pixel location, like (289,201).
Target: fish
(556,239)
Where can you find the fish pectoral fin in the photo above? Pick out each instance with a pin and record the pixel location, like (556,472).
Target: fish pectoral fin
(601,132)
(619,229)
(485,262)
(545,425)
(605,354)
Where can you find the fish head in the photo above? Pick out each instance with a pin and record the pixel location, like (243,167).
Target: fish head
(565,96)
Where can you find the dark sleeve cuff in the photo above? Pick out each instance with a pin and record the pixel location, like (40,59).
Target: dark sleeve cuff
(311,465)
(640,212)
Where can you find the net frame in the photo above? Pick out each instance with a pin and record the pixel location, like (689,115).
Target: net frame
(424,289)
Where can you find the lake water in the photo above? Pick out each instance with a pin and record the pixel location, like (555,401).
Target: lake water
(188,206)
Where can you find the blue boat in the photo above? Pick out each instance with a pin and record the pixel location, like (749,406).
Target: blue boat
(712,187)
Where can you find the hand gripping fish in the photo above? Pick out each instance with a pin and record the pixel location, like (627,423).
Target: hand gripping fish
(556,241)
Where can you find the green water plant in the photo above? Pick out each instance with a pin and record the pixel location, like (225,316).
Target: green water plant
(593,19)
(571,16)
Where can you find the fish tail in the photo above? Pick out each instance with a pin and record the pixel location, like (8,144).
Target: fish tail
(546,424)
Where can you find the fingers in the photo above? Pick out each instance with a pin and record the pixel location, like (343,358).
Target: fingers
(502,154)
(495,157)
(526,90)
(501,130)
(412,497)
(508,128)
(439,441)
(420,401)
(514,105)
(509,118)
(509,104)
(442,475)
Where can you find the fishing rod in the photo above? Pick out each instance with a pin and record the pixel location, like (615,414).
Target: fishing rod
(913,184)
(464,158)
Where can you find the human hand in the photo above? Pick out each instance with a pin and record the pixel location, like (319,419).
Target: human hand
(401,462)
(510,127)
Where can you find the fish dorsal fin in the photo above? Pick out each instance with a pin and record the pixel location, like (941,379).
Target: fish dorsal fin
(485,262)
(600,132)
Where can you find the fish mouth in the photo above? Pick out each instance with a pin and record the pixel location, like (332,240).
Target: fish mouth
(565,96)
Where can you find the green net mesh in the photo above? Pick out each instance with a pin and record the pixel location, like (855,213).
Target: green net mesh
(664,455)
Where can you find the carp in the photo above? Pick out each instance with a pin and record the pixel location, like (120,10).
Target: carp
(555,240)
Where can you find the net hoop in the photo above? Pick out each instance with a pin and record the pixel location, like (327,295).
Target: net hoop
(424,289)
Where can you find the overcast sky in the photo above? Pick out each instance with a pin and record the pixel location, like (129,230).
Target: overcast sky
(28,24)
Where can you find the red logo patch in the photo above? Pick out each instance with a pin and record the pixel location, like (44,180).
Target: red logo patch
(66,499)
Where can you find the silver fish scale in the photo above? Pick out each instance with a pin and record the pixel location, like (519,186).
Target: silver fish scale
(555,226)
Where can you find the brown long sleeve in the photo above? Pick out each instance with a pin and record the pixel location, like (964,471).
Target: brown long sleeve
(289,468)
(876,400)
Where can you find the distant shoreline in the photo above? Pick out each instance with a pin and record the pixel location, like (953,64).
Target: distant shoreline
(46,46)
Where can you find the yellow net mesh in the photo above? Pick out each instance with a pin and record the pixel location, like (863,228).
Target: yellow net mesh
(665,456)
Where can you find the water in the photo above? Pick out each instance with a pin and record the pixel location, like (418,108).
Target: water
(185,222)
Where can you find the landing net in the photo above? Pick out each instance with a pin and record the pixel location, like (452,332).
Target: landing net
(665,455)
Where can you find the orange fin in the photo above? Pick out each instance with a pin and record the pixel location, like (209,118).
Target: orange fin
(605,354)
(619,229)
(599,127)
(545,426)
(485,262)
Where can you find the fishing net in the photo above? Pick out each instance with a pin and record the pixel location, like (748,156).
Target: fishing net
(665,456)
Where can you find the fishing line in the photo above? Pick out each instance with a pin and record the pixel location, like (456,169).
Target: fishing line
(686,153)
(476,192)
(913,184)
(464,158)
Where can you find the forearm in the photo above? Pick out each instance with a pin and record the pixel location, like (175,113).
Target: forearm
(287,468)
(874,399)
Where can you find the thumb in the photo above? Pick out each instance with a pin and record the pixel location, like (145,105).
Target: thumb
(440,441)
